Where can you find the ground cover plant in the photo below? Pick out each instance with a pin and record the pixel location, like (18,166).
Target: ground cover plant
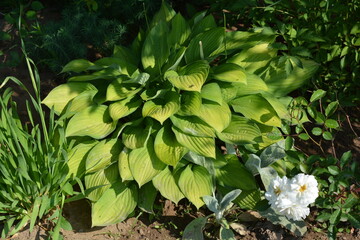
(148,118)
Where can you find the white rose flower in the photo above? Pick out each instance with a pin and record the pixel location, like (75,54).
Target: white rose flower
(305,187)
(277,187)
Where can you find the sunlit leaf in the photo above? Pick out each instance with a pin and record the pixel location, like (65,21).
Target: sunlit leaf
(215,115)
(229,72)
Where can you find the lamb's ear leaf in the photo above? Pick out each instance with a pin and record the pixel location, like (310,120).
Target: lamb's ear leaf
(167,148)
(165,182)
(195,182)
(194,230)
(93,121)
(120,198)
(191,78)
(201,145)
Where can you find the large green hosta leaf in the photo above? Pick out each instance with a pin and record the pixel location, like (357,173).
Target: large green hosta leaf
(195,182)
(240,131)
(180,31)
(215,115)
(77,65)
(93,121)
(201,145)
(118,90)
(278,105)
(115,205)
(254,58)
(206,42)
(103,154)
(280,84)
(80,102)
(234,174)
(190,103)
(124,107)
(257,108)
(191,77)
(77,158)
(144,164)
(105,177)
(123,165)
(107,73)
(192,125)
(124,65)
(165,182)
(162,108)
(212,92)
(134,136)
(167,148)
(229,72)
(60,96)
(155,49)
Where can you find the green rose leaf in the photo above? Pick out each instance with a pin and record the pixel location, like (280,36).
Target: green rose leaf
(167,148)
(166,184)
(201,145)
(115,205)
(144,164)
(195,182)
(93,121)
(60,96)
(191,77)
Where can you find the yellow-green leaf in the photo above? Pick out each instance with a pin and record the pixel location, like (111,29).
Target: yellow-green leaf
(93,121)
(190,103)
(124,107)
(193,125)
(77,158)
(118,90)
(229,72)
(123,165)
(215,115)
(195,182)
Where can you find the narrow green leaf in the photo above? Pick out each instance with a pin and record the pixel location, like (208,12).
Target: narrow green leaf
(318,94)
(331,108)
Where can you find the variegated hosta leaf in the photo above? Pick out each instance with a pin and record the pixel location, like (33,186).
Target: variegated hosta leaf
(134,136)
(215,115)
(254,58)
(210,41)
(167,148)
(229,72)
(93,121)
(195,182)
(80,102)
(124,107)
(162,108)
(234,174)
(190,103)
(155,49)
(192,125)
(77,158)
(240,131)
(191,77)
(105,176)
(166,184)
(257,108)
(280,83)
(212,92)
(144,164)
(201,145)
(123,165)
(115,205)
(60,96)
(180,30)
(103,154)
(118,90)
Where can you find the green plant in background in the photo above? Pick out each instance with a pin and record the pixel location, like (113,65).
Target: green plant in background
(33,175)
(149,118)
(194,230)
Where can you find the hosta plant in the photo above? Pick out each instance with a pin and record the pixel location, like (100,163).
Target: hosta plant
(152,117)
